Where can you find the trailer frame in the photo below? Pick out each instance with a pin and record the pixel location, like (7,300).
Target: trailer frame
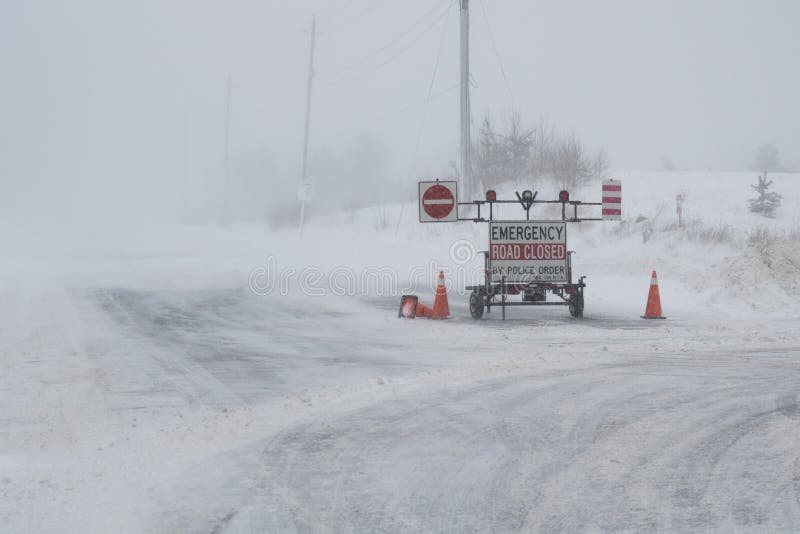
(493,293)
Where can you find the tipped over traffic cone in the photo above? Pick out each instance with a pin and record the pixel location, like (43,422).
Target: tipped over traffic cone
(425,311)
(653,310)
(441,309)
(408,306)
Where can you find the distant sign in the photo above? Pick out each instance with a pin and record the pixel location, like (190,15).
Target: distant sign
(438,201)
(528,251)
(679,204)
(612,200)
(305,191)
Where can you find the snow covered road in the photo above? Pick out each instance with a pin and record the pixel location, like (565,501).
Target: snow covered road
(674,444)
(214,410)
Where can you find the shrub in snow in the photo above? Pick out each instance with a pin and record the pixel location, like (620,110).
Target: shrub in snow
(721,233)
(766,271)
(766,202)
(761,237)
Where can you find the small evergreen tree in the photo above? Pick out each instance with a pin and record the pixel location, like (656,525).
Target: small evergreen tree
(767,202)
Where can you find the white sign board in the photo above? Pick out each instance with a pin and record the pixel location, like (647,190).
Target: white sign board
(612,200)
(438,201)
(528,251)
(305,191)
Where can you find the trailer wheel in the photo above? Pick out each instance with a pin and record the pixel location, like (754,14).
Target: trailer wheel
(576,305)
(476,305)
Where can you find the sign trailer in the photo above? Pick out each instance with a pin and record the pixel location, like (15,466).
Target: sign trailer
(526,257)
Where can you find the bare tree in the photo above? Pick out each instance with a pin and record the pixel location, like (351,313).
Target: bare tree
(599,164)
(518,143)
(570,166)
(544,141)
(500,157)
(522,153)
(487,157)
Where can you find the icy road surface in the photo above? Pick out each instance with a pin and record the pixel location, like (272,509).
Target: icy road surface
(215,410)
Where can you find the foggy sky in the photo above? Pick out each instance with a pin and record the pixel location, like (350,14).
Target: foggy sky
(126,100)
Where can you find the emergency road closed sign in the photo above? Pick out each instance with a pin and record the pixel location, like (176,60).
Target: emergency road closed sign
(528,251)
(438,201)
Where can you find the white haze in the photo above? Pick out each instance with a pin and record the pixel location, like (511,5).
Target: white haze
(112,114)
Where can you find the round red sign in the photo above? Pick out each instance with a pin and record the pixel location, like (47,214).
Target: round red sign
(438,201)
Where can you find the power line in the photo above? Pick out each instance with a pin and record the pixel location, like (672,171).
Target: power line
(496,53)
(431,98)
(349,21)
(342,73)
(399,37)
(430,91)
(413,169)
(438,58)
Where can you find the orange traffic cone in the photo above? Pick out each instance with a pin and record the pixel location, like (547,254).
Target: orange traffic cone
(425,311)
(653,310)
(441,309)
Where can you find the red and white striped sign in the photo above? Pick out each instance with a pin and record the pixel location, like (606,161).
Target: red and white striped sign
(612,200)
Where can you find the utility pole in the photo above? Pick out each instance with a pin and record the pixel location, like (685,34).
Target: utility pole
(186,187)
(304,174)
(466,167)
(226,186)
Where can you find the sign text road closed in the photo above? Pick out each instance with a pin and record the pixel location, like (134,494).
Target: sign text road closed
(528,251)
(438,201)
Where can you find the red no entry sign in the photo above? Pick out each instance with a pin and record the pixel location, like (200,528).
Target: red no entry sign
(437,202)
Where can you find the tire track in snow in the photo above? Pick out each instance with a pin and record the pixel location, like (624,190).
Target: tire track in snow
(544,466)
